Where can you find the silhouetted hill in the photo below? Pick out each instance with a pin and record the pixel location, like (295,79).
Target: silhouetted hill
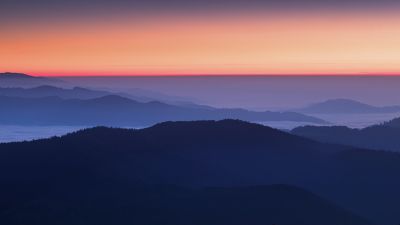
(9,75)
(48,91)
(65,93)
(226,153)
(346,106)
(380,137)
(395,123)
(113,110)
(9,79)
(52,91)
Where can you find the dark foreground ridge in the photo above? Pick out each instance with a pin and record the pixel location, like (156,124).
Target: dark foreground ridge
(104,175)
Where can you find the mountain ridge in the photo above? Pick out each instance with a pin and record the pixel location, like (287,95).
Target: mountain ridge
(11,75)
(228,153)
(114,110)
(11,79)
(342,105)
(384,136)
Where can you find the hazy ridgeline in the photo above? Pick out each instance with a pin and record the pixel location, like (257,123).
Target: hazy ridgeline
(257,92)
(250,92)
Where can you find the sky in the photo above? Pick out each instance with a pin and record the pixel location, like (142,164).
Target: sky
(210,37)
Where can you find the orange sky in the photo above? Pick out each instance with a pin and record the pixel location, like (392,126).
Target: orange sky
(362,43)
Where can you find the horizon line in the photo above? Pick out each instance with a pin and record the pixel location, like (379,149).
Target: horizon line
(224,75)
(209,74)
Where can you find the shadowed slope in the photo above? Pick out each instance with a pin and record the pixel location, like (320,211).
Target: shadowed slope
(203,153)
(104,175)
(380,137)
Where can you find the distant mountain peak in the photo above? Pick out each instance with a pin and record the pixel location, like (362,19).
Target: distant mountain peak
(113,99)
(11,75)
(47,88)
(80,89)
(342,105)
(342,101)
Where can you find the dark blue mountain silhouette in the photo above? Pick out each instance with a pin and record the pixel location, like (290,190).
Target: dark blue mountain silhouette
(24,85)
(346,106)
(48,91)
(97,170)
(395,123)
(113,110)
(9,79)
(385,136)
(66,93)
(10,75)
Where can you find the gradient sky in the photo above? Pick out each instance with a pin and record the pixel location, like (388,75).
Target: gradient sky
(158,37)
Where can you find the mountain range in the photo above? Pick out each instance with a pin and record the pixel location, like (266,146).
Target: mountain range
(345,106)
(64,93)
(384,136)
(54,105)
(112,110)
(91,175)
(24,85)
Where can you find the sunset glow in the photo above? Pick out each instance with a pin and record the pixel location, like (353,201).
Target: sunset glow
(239,43)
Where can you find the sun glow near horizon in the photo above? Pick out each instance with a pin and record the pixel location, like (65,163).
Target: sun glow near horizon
(249,43)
